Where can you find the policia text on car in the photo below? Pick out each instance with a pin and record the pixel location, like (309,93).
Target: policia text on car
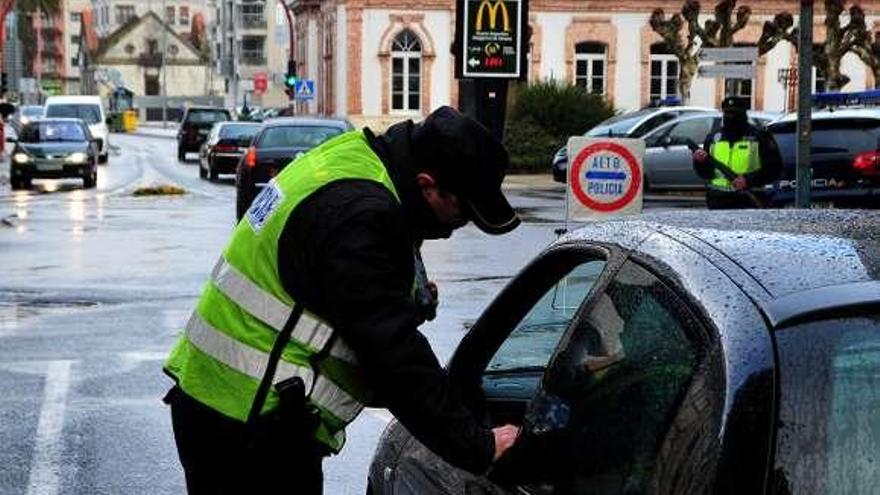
(309,314)
(738,160)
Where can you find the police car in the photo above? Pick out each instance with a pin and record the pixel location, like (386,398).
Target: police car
(844,153)
(675,353)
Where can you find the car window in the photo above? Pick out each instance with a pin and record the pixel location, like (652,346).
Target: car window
(206,116)
(52,131)
(90,113)
(296,136)
(238,131)
(652,123)
(829,136)
(829,414)
(607,420)
(534,340)
(32,111)
(619,125)
(691,131)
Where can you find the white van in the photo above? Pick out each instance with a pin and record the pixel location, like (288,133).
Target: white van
(88,109)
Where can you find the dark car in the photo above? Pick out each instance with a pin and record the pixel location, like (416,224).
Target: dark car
(278,143)
(844,155)
(53,149)
(226,144)
(25,114)
(675,353)
(195,125)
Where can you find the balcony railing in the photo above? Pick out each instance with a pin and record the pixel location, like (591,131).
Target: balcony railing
(253,57)
(252,20)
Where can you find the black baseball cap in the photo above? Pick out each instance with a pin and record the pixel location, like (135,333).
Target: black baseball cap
(469,162)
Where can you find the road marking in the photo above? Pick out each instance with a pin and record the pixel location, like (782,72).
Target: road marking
(45,473)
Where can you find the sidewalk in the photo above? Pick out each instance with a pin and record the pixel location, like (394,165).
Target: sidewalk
(156,130)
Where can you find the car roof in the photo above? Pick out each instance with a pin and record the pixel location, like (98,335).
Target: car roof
(840,113)
(710,114)
(306,121)
(791,262)
(73,99)
(55,119)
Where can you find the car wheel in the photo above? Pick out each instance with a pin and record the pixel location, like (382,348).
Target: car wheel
(104,158)
(213,173)
(90,180)
(244,192)
(202,172)
(181,153)
(19,183)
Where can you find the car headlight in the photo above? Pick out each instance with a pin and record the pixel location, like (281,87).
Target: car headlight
(78,157)
(25,121)
(21,158)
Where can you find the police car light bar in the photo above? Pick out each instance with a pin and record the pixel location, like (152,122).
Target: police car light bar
(835,99)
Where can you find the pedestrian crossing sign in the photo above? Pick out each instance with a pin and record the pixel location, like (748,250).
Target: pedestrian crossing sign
(304,89)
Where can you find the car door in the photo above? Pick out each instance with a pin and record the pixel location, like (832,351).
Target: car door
(627,403)
(671,163)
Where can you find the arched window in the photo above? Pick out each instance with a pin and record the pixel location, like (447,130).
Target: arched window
(664,73)
(406,72)
(591,64)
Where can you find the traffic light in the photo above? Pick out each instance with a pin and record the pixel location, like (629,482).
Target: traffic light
(290,79)
(4,82)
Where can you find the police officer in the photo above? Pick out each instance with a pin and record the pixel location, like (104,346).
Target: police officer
(326,254)
(738,160)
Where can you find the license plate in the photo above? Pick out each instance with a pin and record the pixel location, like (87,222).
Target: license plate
(49,167)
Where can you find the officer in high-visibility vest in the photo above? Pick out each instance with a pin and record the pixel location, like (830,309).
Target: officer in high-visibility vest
(325,254)
(738,160)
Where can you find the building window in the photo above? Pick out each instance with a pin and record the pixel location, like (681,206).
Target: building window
(74,62)
(124,13)
(169,15)
(184,16)
(590,67)
(741,88)
(252,50)
(406,72)
(75,17)
(152,46)
(253,14)
(664,73)
(74,39)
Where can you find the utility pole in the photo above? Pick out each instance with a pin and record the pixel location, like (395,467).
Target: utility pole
(164,68)
(805,106)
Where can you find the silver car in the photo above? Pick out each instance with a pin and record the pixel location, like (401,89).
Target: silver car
(668,163)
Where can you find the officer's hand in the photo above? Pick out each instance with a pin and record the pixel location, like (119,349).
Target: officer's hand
(505,436)
(740,183)
(435,294)
(700,156)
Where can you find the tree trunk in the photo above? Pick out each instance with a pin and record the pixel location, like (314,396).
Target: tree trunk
(686,76)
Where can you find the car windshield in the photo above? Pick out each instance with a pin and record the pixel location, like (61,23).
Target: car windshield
(32,111)
(829,414)
(52,131)
(619,125)
(296,136)
(206,116)
(88,112)
(238,131)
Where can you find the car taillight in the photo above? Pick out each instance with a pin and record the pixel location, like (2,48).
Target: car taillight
(250,159)
(867,163)
(225,148)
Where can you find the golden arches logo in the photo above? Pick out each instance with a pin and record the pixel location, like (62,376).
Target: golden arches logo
(493,14)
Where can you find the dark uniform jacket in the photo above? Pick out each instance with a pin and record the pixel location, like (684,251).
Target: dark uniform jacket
(771,159)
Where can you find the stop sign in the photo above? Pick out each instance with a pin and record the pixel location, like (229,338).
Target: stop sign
(261,82)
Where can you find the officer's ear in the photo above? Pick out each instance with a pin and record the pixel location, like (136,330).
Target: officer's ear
(428,184)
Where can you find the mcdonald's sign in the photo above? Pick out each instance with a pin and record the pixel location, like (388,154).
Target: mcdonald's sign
(490,37)
(493,9)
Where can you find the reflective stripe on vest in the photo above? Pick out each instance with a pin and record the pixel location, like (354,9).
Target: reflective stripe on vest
(221,357)
(741,157)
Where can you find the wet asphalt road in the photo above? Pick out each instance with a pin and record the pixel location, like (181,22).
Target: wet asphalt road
(96,284)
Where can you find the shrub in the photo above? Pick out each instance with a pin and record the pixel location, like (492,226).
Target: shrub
(544,116)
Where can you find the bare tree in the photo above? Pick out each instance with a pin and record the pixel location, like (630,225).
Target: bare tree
(838,41)
(865,44)
(781,28)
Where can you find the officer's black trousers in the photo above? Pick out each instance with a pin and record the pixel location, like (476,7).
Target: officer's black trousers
(216,462)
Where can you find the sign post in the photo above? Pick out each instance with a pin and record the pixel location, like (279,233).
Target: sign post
(805,106)
(734,62)
(605,178)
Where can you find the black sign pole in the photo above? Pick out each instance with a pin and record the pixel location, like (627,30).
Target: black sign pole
(490,49)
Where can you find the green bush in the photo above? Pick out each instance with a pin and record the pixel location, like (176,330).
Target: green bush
(544,116)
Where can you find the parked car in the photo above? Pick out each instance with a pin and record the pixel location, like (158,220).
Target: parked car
(675,353)
(631,124)
(668,162)
(89,110)
(226,144)
(195,125)
(277,143)
(54,149)
(844,156)
(24,115)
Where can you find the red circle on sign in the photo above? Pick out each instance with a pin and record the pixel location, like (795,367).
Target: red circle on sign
(635,183)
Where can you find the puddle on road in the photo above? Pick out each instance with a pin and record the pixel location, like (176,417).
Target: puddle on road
(18,306)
